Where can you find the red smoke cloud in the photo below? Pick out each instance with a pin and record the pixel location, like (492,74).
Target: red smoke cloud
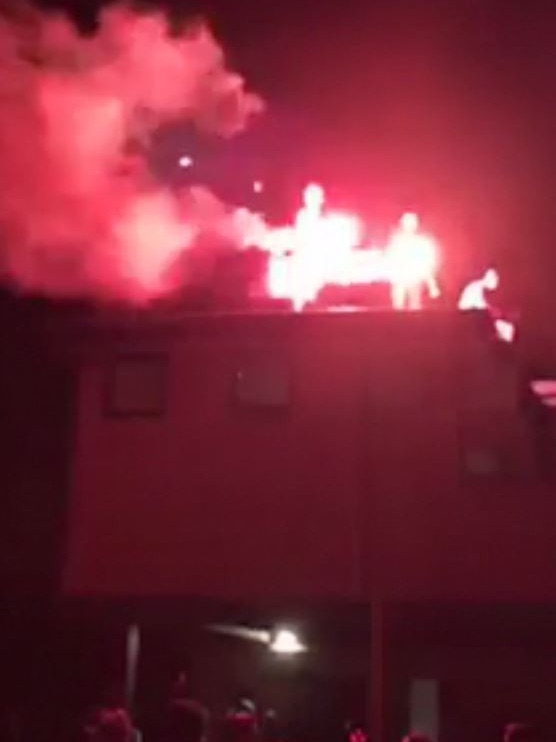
(79,212)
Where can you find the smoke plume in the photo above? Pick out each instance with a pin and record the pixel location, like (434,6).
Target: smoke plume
(80,214)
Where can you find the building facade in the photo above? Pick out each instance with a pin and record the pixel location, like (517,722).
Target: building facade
(341,459)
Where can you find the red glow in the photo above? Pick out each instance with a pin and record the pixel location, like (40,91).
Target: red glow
(318,252)
(323,248)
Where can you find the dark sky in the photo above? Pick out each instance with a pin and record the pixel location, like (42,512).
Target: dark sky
(444,106)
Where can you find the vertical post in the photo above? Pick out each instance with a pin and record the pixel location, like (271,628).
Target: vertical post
(378,690)
(424,708)
(133,648)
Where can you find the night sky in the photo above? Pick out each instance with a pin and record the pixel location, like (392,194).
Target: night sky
(445,107)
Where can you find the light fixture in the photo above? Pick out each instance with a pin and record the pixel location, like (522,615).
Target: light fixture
(283,641)
(286,642)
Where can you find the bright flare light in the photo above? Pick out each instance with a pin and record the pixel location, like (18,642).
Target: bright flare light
(324,248)
(320,251)
(505,330)
(286,641)
(185,162)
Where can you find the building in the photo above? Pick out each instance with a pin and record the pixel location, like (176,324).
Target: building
(381,472)
(370,458)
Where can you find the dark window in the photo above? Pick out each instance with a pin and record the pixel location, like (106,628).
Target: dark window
(496,447)
(137,386)
(263,383)
(482,462)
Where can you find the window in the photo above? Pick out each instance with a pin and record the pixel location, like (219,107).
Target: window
(485,450)
(482,462)
(137,386)
(496,447)
(263,383)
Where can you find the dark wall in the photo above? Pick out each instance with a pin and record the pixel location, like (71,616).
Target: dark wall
(35,425)
(495,663)
(368,480)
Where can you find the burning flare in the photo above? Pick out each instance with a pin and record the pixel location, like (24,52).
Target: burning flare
(323,248)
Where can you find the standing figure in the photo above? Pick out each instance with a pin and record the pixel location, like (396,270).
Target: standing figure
(307,253)
(412,263)
(313,205)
